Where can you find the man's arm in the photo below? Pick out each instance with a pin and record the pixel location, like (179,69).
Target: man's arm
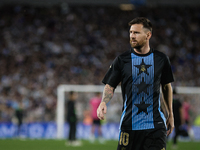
(168,96)
(107,96)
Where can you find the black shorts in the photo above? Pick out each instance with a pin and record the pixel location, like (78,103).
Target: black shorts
(96,122)
(152,139)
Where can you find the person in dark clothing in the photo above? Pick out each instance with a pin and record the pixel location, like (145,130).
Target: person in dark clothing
(18,106)
(19,116)
(72,119)
(178,118)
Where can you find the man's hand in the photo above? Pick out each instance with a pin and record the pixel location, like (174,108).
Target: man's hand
(107,95)
(170,124)
(101,110)
(167,95)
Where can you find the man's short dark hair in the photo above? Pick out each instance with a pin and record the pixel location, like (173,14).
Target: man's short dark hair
(142,20)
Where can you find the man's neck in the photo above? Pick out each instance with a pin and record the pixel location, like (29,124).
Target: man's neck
(142,50)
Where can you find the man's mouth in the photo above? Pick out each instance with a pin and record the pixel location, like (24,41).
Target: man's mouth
(133,41)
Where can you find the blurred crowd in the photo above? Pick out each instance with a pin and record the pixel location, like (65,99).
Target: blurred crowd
(41,48)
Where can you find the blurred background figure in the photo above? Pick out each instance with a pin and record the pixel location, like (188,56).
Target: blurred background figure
(96,124)
(187,111)
(72,120)
(18,106)
(87,118)
(178,119)
(197,121)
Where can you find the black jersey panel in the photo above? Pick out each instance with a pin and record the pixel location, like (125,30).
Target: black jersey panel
(113,76)
(161,67)
(167,76)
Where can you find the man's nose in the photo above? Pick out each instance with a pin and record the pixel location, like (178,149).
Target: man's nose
(132,35)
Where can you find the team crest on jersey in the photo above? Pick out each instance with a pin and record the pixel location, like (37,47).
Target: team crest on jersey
(143,67)
(163,148)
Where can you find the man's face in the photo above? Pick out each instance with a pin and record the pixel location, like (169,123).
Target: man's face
(138,36)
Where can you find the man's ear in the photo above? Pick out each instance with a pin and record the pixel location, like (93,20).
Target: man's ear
(149,35)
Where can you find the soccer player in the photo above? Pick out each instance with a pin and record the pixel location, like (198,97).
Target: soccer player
(94,103)
(141,71)
(72,120)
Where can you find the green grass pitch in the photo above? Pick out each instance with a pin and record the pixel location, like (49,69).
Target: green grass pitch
(28,144)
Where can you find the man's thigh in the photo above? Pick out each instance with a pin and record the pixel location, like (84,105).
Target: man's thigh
(155,140)
(142,140)
(130,140)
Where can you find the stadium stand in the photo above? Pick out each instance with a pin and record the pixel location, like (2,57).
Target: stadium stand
(42,47)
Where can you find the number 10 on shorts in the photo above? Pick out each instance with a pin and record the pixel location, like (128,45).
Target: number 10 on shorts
(124,139)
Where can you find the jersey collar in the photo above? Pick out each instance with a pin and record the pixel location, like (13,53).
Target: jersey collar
(151,50)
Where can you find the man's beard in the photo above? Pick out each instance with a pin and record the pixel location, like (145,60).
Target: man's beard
(137,45)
